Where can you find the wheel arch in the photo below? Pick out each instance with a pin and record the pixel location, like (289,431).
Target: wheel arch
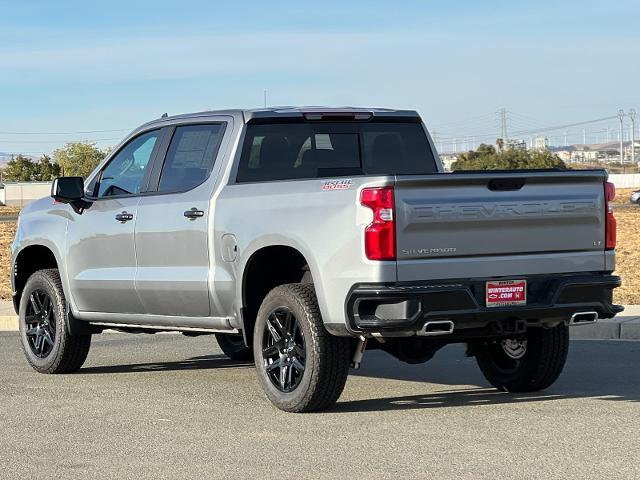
(40,256)
(29,260)
(285,264)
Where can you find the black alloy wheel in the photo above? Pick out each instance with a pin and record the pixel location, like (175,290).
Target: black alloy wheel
(283,350)
(300,365)
(41,324)
(46,340)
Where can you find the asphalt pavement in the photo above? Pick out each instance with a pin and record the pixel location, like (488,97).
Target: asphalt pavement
(166,406)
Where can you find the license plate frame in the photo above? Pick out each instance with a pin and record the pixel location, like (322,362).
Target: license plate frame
(505,293)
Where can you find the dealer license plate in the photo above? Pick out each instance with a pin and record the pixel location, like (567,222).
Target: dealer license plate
(503,293)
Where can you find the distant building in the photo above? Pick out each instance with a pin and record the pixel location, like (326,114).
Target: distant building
(516,144)
(627,151)
(541,144)
(447,160)
(565,155)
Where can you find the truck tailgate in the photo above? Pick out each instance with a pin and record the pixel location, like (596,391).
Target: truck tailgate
(497,214)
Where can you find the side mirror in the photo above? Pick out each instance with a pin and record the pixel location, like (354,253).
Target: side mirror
(67,189)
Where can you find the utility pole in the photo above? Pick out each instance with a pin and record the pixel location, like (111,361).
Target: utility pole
(503,125)
(621,117)
(608,140)
(265,98)
(584,136)
(565,139)
(632,116)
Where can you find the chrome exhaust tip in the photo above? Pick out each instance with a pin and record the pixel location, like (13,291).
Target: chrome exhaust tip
(437,327)
(582,318)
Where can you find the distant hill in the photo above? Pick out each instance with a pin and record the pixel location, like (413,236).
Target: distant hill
(5,157)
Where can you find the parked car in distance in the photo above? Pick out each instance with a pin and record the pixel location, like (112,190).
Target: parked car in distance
(301,236)
(635,197)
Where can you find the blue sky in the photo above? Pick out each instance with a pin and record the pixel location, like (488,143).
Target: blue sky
(70,66)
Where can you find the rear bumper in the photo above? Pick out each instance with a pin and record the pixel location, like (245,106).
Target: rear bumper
(404,308)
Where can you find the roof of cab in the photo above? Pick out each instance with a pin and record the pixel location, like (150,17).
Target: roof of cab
(284,112)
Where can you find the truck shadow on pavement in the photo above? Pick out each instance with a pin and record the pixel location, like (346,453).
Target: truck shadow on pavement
(595,369)
(445,399)
(604,370)
(204,362)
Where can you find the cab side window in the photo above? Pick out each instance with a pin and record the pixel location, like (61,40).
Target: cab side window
(191,156)
(125,173)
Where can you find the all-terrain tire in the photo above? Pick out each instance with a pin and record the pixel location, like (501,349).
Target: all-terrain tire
(68,353)
(538,369)
(327,358)
(233,347)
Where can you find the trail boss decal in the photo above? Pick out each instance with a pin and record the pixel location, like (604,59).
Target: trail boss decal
(340,184)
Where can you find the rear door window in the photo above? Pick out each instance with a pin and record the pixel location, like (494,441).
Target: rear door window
(319,150)
(190,157)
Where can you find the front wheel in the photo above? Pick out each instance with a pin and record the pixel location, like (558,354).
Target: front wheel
(42,315)
(301,367)
(526,363)
(233,347)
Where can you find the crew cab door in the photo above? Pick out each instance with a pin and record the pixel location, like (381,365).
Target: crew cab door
(172,235)
(101,257)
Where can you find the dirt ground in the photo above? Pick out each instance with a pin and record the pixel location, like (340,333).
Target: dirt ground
(7,232)
(9,210)
(622,195)
(628,255)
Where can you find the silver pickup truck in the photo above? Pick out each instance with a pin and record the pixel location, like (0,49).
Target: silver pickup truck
(301,237)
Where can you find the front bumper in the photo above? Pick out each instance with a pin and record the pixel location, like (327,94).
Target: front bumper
(405,307)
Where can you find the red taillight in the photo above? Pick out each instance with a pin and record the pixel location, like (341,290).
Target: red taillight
(380,234)
(610,226)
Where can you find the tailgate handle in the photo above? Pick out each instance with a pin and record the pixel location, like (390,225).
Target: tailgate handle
(506,184)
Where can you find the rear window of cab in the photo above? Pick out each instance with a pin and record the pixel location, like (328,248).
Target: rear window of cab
(284,151)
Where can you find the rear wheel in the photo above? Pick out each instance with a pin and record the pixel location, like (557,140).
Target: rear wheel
(301,367)
(233,347)
(526,363)
(42,316)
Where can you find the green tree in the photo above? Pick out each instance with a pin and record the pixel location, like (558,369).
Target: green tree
(487,158)
(47,170)
(78,158)
(20,169)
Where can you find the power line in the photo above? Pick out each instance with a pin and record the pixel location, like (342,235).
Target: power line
(532,130)
(58,141)
(80,132)
(464,121)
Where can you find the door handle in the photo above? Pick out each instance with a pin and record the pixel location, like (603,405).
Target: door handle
(124,217)
(193,213)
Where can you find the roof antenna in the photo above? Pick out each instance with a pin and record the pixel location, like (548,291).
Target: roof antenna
(164,115)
